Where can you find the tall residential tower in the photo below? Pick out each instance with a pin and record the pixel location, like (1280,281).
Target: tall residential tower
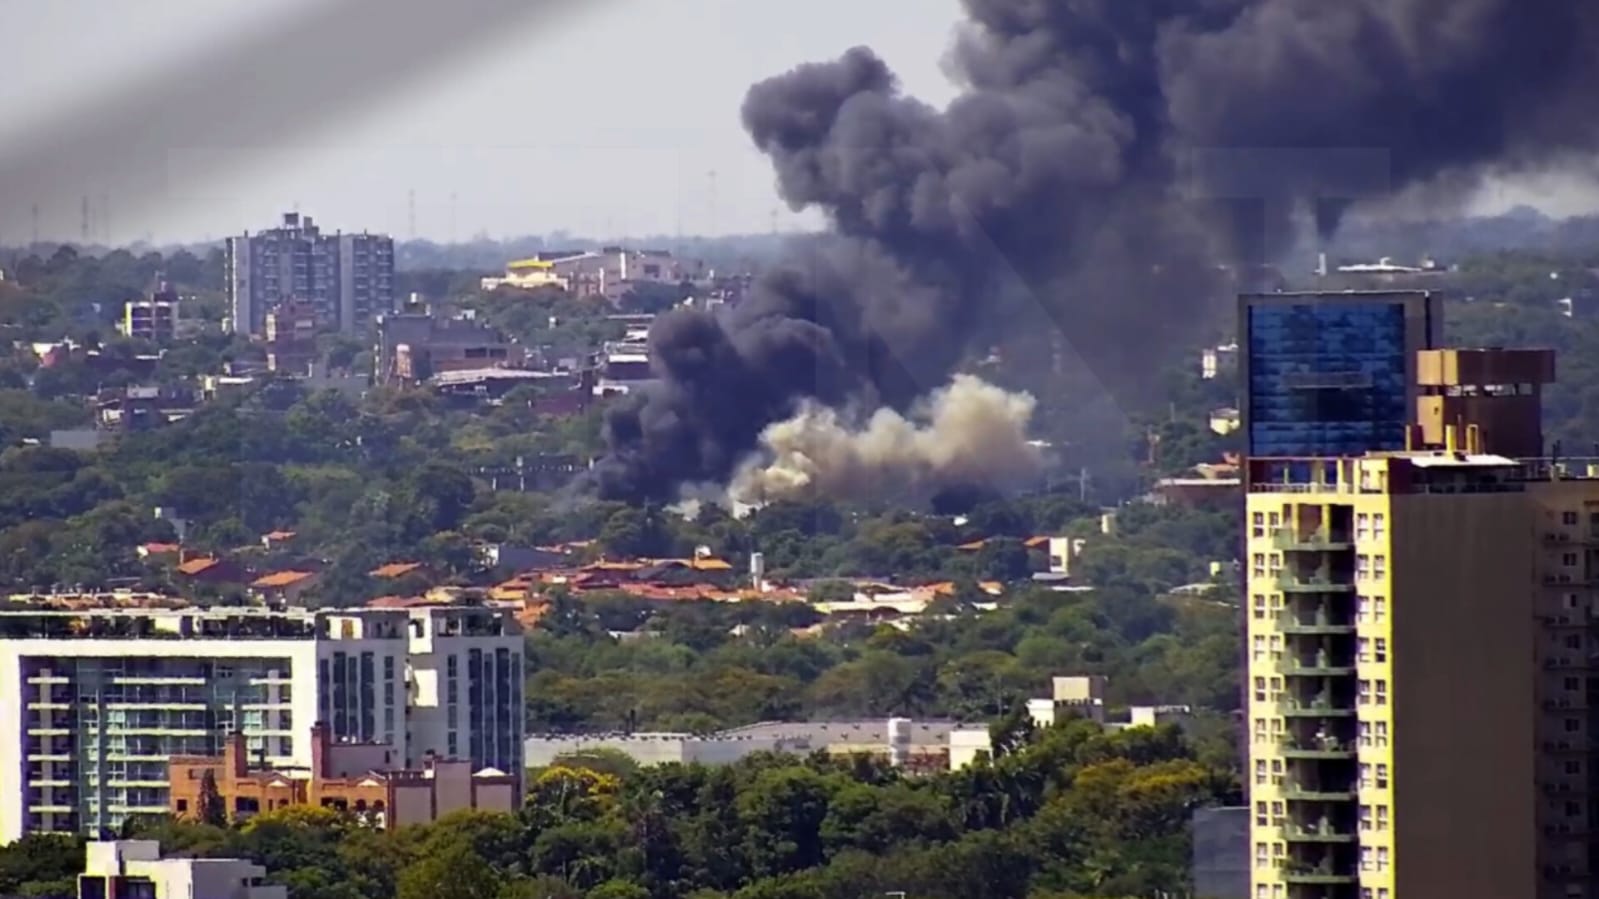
(347,278)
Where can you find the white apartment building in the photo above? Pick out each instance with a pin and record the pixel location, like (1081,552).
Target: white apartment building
(94,703)
(135,868)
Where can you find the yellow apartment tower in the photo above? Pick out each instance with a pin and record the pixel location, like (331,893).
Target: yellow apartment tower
(1419,654)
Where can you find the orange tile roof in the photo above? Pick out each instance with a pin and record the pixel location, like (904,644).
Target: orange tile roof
(395,569)
(282,579)
(278,535)
(973,546)
(603,565)
(199,566)
(712,564)
(158,549)
(1035,542)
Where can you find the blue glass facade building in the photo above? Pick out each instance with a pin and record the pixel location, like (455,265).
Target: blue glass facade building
(1332,374)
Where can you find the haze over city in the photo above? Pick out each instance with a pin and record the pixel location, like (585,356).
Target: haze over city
(604,119)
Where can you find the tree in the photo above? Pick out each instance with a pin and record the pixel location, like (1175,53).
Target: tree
(456,872)
(211,809)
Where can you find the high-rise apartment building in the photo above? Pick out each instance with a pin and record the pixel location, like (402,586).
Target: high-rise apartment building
(1420,641)
(1329,374)
(94,704)
(347,278)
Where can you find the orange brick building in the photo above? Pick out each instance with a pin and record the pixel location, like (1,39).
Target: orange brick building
(356,777)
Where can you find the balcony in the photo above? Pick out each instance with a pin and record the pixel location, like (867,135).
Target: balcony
(1314,582)
(1320,708)
(1299,793)
(1321,665)
(1318,540)
(1317,875)
(1326,748)
(1314,625)
(1322,831)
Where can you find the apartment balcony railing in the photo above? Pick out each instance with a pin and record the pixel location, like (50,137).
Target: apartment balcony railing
(1318,793)
(1315,625)
(1320,832)
(1312,540)
(1321,665)
(1323,748)
(1318,874)
(1316,710)
(1314,582)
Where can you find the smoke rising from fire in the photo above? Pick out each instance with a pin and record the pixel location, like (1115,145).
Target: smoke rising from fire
(1060,181)
(969,433)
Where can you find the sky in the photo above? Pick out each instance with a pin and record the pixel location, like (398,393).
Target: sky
(608,119)
(603,118)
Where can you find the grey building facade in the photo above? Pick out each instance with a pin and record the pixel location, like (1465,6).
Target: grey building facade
(348,278)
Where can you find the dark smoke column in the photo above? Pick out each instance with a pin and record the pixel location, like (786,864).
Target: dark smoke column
(1049,190)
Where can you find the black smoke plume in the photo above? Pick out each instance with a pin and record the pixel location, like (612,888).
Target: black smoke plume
(1102,157)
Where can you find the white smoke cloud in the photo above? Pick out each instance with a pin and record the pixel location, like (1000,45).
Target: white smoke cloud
(970,433)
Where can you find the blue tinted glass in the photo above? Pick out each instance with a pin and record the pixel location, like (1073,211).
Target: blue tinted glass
(1327,379)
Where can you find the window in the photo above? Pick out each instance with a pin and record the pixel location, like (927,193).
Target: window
(1382,733)
(1260,689)
(1260,814)
(1257,566)
(1276,644)
(1365,818)
(1276,561)
(1363,650)
(1362,567)
(1378,525)
(1367,893)
(1381,650)
(1365,776)
(1573,641)
(1277,772)
(1260,891)
(1257,525)
(1382,818)
(1276,813)
(1571,685)
(1382,776)
(1262,856)
(1362,609)
(1569,560)
(1260,771)
(182,805)
(1572,725)
(1260,647)
(1260,730)
(1367,859)
(1382,893)
(1568,518)
(1276,891)
(1260,606)
(1379,609)
(1379,567)
(1573,809)
(1364,691)
(1573,767)
(1382,692)
(1362,526)
(1365,733)
(1382,858)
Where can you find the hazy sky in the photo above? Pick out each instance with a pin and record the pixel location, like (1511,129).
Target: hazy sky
(605,120)
(601,117)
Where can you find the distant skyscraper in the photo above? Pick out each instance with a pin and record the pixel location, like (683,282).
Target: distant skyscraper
(347,278)
(1332,374)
